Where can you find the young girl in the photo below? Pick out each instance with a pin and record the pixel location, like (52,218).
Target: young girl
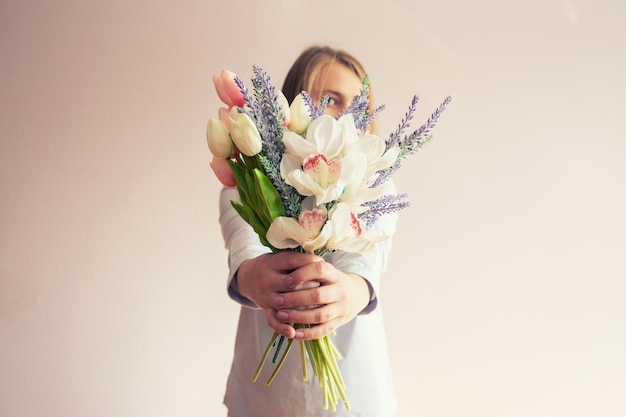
(339,291)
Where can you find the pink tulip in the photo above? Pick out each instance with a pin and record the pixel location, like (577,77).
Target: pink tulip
(223,113)
(227,89)
(223,172)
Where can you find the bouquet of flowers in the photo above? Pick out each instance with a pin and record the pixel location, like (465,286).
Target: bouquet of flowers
(308,182)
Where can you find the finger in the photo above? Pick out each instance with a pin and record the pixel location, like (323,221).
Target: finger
(282,328)
(321,272)
(306,298)
(290,261)
(314,316)
(316,332)
(307,285)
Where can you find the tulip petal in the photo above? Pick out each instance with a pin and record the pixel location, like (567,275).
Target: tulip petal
(218,139)
(300,116)
(244,133)
(227,89)
(284,106)
(222,171)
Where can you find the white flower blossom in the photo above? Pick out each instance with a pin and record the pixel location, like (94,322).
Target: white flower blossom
(244,133)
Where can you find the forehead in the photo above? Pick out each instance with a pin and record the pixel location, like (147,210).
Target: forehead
(338,78)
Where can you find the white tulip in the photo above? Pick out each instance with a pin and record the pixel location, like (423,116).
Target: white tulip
(244,133)
(300,118)
(218,139)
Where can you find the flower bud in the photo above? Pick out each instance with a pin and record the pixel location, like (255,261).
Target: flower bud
(300,117)
(244,133)
(284,106)
(223,113)
(227,89)
(223,172)
(218,138)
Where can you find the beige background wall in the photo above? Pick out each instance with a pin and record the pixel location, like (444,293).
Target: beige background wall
(506,286)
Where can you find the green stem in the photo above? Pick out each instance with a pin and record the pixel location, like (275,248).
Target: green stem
(280,344)
(323,356)
(280,363)
(264,358)
(305,375)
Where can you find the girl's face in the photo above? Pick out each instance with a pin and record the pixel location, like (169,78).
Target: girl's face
(340,84)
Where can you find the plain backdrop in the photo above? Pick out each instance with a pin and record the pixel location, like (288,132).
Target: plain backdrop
(505,291)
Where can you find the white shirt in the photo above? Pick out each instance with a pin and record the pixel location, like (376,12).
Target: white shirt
(362,342)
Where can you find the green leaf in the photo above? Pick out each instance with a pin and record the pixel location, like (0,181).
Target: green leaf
(271,197)
(252,218)
(240,178)
(260,202)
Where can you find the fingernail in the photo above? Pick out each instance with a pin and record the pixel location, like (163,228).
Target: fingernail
(282,316)
(299,334)
(288,281)
(279,300)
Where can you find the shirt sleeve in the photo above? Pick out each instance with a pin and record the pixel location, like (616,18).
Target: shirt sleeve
(240,240)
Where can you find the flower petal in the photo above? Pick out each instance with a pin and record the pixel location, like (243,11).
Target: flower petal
(223,172)
(349,233)
(300,117)
(297,145)
(227,89)
(218,139)
(286,232)
(244,133)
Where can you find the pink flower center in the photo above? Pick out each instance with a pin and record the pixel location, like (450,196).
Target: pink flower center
(321,171)
(355,224)
(312,221)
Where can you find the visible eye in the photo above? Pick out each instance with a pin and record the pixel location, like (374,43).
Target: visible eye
(330,101)
(335,105)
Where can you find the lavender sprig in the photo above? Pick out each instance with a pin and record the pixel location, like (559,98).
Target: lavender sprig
(421,136)
(386,204)
(266,112)
(269,116)
(411,143)
(314,110)
(244,90)
(359,107)
(395,138)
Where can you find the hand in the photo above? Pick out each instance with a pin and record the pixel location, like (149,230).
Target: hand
(265,277)
(337,299)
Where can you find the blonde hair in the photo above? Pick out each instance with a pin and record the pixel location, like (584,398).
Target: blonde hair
(306,69)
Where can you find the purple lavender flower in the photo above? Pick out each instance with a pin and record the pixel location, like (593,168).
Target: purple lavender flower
(383,205)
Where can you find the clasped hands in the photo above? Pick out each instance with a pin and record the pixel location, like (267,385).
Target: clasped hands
(302,288)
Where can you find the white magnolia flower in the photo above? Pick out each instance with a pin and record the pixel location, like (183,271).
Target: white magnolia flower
(348,233)
(371,148)
(325,135)
(318,164)
(317,229)
(307,231)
